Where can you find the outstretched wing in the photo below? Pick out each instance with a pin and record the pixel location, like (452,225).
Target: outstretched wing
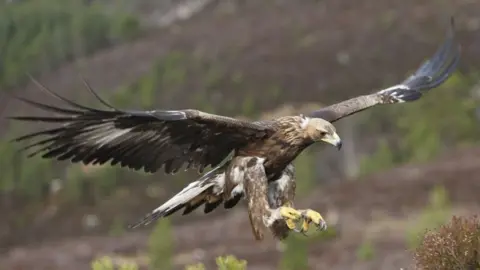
(431,74)
(138,139)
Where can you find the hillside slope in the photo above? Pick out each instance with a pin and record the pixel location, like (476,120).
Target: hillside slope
(297,46)
(379,208)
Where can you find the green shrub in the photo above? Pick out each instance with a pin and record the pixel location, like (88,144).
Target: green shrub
(231,263)
(419,131)
(27,178)
(198,266)
(383,158)
(366,251)
(106,263)
(223,263)
(453,246)
(295,256)
(443,118)
(433,216)
(160,246)
(38,35)
(304,172)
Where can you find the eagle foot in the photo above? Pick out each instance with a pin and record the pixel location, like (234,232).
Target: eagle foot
(310,216)
(291,216)
(300,220)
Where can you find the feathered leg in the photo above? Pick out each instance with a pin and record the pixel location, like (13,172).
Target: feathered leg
(263,202)
(281,192)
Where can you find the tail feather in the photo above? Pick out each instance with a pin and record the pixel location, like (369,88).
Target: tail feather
(234,199)
(207,190)
(212,204)
(193,206)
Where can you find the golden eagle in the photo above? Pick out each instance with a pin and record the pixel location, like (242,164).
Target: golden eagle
(250,159)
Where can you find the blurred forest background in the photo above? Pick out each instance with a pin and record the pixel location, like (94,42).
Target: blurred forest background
(403,168)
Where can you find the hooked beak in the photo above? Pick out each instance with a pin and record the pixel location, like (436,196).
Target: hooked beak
(334,140)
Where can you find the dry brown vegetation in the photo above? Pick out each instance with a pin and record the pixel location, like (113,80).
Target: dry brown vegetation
(453,246)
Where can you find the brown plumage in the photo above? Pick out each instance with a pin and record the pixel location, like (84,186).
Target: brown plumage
(256,185)
(192,139)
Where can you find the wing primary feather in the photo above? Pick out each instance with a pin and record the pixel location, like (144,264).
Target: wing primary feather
(134,138)
(35,134)
(52,93)
(446,74)
(41,119)
(439,67)
(97,96)
(413,93)
(45,107)
(430,74)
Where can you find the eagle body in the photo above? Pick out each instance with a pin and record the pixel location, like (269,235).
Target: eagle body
(249,159)
(279,149)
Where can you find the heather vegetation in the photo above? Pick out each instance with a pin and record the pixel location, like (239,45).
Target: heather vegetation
(455,245)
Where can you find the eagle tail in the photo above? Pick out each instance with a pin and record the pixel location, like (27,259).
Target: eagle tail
(207,190)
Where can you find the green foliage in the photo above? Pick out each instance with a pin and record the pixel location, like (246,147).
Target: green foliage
(118,227)
(453,246)
(160,246)
(82,185)
(167,75)
(44,33)
(304,173)
(106,263)
(223,263)
(422,129)
(248,106)
(198,266)
(26,178)
(231,263)
(328,234)
(447,118)
(382,159)
(433,216)
(366,251)
(295,256)
(186,76)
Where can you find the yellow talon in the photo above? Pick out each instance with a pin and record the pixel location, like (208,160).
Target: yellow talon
(305,225)
(315,217)
(291,216)
(291,224)
(290,213)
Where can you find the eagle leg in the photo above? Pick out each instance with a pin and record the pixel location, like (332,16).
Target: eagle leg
(276,213)
(256,188)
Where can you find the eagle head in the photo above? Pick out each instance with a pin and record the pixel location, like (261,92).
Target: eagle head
(318,130)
